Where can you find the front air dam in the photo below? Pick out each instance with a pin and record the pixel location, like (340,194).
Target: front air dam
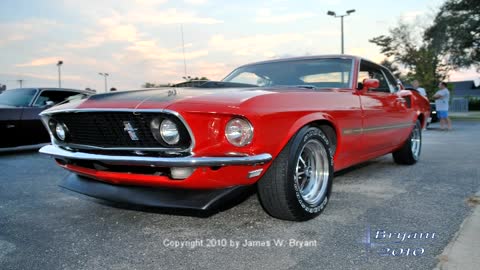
(195,199)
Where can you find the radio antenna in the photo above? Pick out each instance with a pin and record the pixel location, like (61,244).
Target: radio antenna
(183,50)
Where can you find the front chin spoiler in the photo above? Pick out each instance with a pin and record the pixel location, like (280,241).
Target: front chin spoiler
(152,196)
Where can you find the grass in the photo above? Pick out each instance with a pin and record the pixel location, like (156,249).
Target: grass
(472,115)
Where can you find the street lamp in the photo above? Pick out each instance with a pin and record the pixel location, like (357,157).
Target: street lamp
(331,13)
(59,65)
(105,75)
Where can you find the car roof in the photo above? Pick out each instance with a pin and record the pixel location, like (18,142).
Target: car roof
(310,57)
(55,89)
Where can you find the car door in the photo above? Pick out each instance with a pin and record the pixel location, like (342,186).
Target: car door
(384,112)
(12,104)
(32,125)
(10,126)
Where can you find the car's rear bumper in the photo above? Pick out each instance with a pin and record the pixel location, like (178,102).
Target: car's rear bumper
(190,161)
(152,197)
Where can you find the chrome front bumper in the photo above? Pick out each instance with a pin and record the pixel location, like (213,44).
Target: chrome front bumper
(191,161)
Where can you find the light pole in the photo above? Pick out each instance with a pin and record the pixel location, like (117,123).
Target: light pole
(331,13)
(105,75)
(59,65)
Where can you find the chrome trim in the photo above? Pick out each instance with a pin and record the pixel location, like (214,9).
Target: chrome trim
(190,161)
(48,113)
(22,147)
(376,128)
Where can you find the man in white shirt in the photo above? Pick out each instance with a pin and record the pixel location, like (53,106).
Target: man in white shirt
(421,90)
(442,98)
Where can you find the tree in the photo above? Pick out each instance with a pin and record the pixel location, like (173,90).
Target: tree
(189,79)
(392,67)
(456,33)
(405,45)
(153,85)
(149,85)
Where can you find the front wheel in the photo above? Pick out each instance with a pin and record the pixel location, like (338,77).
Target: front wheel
(409,153)
(298,184)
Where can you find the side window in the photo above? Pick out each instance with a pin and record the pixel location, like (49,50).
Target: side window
(53,96)
(371,71)
(391,80)
(252,78)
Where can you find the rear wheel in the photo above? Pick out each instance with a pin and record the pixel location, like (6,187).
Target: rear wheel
(298,184)
(409,153)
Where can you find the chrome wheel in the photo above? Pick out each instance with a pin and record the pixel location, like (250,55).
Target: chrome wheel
(312,172)
(416,141)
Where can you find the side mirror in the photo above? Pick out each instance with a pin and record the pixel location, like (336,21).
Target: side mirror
(49,103)
(370,83)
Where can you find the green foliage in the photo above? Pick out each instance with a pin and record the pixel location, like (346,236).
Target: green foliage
(456,33)
(392,67)
(189,79)
(421,59)
(153,85)
(473,104)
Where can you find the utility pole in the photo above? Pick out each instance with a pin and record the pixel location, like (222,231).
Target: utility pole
(20,81)
(59,65)
(105,75)
(331,13)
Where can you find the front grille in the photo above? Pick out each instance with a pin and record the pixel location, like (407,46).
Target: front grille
(107,129)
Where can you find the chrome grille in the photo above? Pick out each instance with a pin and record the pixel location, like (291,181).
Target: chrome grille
(108,130)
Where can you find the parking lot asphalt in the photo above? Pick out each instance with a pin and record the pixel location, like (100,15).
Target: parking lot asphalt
(381,216)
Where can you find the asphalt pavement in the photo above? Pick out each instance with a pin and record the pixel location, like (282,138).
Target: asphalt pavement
(381,216)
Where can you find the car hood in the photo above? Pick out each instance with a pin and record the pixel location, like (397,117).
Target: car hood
(3,106)
(166,97)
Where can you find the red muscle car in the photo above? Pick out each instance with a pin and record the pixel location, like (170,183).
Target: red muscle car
(283,125)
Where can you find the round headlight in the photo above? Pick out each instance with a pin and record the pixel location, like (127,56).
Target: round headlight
(60,132)
(169,132)
(239,132)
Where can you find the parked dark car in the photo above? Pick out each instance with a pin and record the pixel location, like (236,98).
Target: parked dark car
(20,124)
(433,112)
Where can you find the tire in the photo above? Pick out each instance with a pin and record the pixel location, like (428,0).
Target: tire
(297,189)
(410,151)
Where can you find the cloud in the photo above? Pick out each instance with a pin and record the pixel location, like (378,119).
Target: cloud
(150,50)
(412,16)
(41,76)
(25,29)
(266,16)
(465,74)
(110,33)
(196,2)
(171,16)
(40,62)
(257,45)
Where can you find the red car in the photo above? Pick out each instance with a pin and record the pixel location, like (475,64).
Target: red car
(283,125)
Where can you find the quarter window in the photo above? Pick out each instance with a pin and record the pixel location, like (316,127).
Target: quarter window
(53,96)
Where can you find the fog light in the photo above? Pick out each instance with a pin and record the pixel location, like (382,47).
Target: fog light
(181,172)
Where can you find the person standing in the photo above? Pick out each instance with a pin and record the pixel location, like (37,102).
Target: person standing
(421,90)
(442,98)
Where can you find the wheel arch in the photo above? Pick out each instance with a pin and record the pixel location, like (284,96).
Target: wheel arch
(421,118)
(318,120)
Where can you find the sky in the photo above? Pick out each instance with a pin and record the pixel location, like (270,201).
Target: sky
(138,41)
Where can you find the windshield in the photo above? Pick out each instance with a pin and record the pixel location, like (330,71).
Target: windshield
(319,73)
(17,97)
